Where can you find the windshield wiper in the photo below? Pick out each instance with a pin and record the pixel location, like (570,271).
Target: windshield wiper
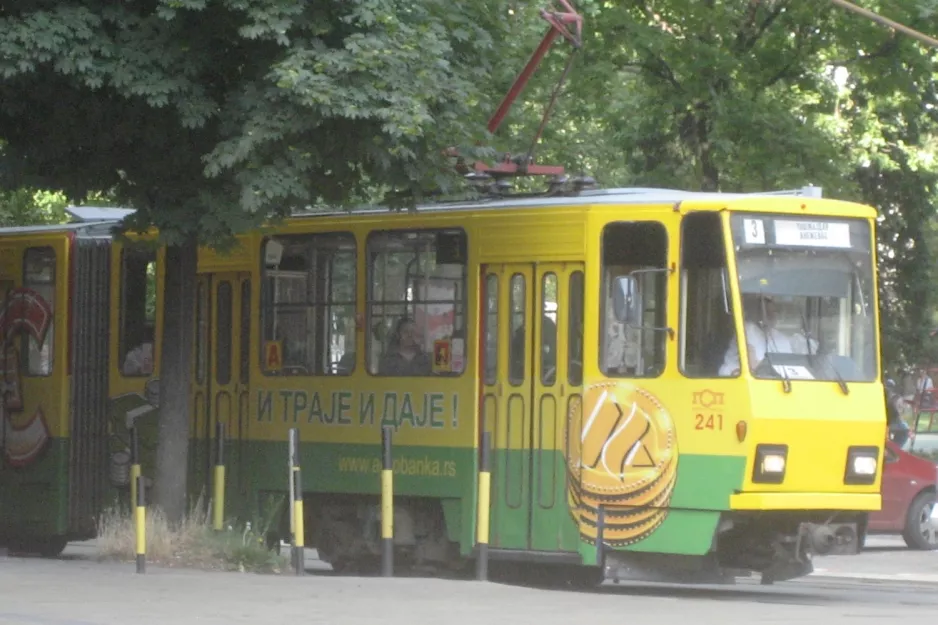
(786,381)
(840,379)
(812,357)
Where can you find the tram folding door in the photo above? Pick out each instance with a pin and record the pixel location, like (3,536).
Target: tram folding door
(532,373)
(222,380)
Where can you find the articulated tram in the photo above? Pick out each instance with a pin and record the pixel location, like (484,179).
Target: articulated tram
(700,370)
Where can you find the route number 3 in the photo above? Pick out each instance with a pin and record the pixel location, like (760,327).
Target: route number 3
(708,422)
(754,231)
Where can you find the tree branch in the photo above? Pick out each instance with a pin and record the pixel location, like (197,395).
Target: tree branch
(798,54)
(744,43)
(889,46)
(662,71)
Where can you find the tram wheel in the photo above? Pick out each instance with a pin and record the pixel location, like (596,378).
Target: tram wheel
(584,577)
(50,547)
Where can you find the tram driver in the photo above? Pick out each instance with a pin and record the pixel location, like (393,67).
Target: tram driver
(762,335)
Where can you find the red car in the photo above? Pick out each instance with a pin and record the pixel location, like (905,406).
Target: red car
(909,490)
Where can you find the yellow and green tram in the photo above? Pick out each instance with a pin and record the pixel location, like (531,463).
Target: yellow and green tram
(595,336)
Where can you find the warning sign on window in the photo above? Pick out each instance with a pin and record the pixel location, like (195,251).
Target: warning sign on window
(442,357)
(273,355)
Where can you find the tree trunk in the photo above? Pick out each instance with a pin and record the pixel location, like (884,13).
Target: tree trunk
(172,453)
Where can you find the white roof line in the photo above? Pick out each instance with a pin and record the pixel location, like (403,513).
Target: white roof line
(98,213)
(627,195)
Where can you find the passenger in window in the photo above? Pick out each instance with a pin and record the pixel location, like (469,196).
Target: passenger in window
(346,364)
(548,351)
(405,356)
(762,335)
(139,360)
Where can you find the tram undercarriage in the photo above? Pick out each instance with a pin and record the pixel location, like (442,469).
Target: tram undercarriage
(777,545)
(346,530)
(780,544)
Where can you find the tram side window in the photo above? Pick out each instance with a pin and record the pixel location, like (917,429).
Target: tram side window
(308,305)
(491,328)
(575,330)
(244,344)
(9,364)
(549,323)
(416,303)
(223,332)
(706,307)
(202,307)
(639,249)
(137,311)
(518,314)
(39,277)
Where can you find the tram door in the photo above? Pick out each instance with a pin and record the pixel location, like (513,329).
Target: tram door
(221,390)
(532,372)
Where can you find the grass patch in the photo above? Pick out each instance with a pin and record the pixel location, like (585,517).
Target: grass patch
(193,544)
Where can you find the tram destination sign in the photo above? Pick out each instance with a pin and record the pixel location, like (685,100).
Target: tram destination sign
(812,233)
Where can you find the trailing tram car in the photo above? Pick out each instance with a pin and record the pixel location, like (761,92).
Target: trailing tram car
(595,335)
(54,295)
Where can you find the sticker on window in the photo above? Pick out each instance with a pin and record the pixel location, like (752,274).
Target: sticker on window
(812,234)
(459,354)
(755,231)
(793,372)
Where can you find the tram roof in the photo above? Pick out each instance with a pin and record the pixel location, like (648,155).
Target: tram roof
(95,219)
(624,195)
(98,227)
(89,219)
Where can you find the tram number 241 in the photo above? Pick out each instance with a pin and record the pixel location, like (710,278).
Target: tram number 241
(708,421)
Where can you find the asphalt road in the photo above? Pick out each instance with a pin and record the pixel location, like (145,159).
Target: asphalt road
(888,583)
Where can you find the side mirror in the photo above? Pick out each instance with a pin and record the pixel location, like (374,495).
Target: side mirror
(273,253)
(626,303)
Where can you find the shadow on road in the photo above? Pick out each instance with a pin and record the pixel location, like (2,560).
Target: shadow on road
(889,549)
(746,591)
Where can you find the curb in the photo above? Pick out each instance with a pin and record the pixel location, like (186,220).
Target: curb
(875,578)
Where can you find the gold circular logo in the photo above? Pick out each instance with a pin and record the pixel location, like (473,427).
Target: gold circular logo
(622,455)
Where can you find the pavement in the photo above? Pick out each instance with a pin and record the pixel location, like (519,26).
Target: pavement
(886,558)
(888,582)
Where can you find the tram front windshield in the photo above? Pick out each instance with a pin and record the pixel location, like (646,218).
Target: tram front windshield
(807,290)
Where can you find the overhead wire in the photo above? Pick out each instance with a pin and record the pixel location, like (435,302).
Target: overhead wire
(884,21)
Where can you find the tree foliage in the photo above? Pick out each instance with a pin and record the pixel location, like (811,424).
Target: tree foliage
(209,118)
(738,95)
(30,207)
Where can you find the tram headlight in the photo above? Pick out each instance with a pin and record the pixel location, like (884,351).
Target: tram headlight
(862,463)
(769,467)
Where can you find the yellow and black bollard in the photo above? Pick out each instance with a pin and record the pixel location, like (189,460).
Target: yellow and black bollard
(296,489)
(134,470)
(140,525)
(218,500)
(482,522)
(292,444)
(600,536)
(387,505)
